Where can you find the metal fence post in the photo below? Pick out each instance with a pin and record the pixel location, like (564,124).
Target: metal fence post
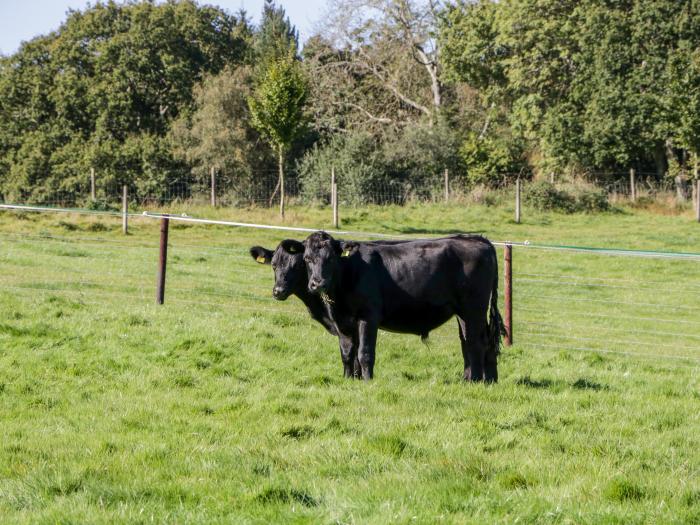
(125,210)
(508,292)
(517,200)
(162,260)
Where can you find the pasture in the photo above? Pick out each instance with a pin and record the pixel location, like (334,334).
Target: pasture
(225,406)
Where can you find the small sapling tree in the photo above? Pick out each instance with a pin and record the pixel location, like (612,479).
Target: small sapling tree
(277,109)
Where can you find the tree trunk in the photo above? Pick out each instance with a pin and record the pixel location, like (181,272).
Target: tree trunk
(660,161)
(281,180)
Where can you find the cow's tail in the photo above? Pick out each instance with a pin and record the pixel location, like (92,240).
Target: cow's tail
(496,328)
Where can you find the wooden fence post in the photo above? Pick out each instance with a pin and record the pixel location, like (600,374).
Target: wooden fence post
(334,200)
(213,186)
(162,260)
(508,293)
(336,217)
(697,200)
(125,210)
(633,186)
(551,177)
(447,185)
(517,200)
(92,184)
(332,184)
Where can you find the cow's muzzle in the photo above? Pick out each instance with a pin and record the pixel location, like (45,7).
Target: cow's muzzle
(316,286)
(279,293)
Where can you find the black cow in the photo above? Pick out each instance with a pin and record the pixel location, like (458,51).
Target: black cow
(291,278)
(410,287)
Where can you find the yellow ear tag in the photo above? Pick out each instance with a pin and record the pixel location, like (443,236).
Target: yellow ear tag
(346,253)
(261,259)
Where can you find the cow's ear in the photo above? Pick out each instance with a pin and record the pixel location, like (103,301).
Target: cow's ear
(292,246)
(261,255)
(347,248)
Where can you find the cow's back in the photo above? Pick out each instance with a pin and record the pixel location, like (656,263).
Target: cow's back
(416,286)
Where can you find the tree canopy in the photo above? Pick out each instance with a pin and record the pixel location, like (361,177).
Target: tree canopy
(150,94)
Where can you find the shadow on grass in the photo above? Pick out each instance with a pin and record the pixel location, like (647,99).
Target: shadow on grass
(276,495)
(534,383)
(586,384)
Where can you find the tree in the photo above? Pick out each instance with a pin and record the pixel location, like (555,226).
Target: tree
(589,85)
(377,64)
(103,90)
(277,109)
(219,133)
(276,37)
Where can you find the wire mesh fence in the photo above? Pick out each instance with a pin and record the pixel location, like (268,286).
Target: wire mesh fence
(565,301)
(261,189)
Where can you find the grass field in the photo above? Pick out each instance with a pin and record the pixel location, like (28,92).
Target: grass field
(225,406)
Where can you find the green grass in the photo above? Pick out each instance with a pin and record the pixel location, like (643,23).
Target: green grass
(225,406)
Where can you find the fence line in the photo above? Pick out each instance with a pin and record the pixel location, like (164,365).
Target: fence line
(215,222)
(603,279)
(609,341)
(627,318)
(617,303)
(609,329)
(533,334)
(258,187)
(581,284)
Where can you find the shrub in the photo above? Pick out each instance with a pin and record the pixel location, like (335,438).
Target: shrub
(592,200)
(546,196)
(358,169)
(489,160)
(419,154)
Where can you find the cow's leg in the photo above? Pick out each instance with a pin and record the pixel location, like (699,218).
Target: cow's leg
(490,363)
(491,353)
(477,331)
(348,354)
(357,369)
(465,348)
(367,335)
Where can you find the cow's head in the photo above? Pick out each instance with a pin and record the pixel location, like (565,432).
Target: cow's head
(322,255)
(288,263)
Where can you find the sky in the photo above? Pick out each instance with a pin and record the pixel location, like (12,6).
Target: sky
(22,20)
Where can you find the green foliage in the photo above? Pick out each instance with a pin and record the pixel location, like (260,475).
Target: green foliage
(276,37)
(491,160)
(358,166)
(545,196)
(419,154)
(588,84)
(469,40)
(102,92)
(278,102)
(218,132)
